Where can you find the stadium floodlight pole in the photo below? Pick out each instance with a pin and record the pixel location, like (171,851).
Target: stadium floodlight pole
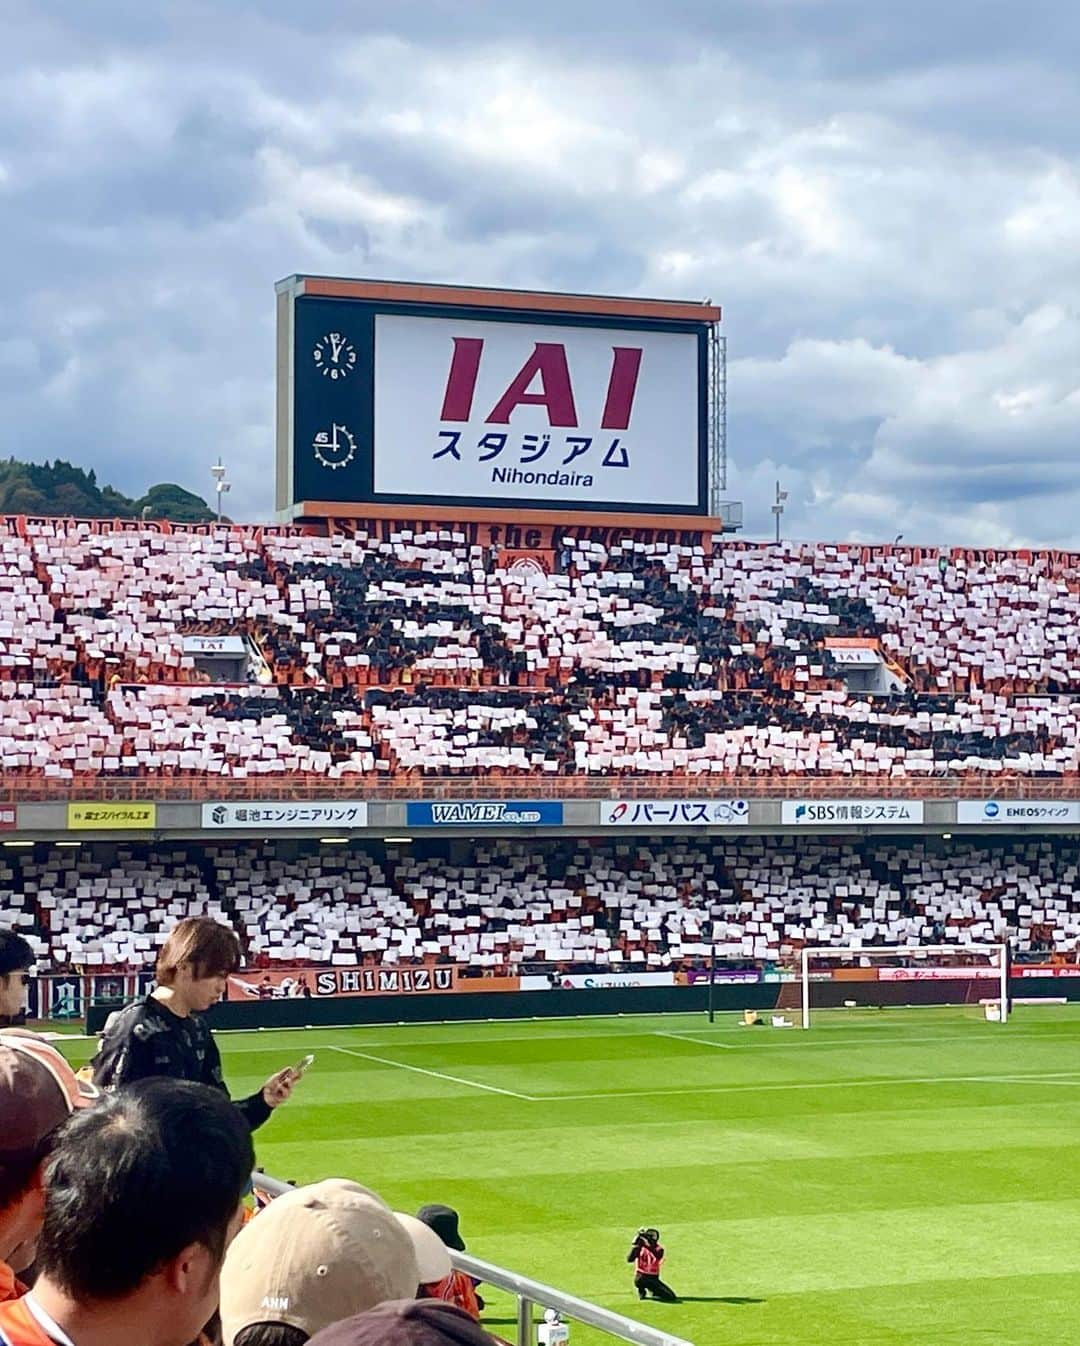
(778,509)
(220,484)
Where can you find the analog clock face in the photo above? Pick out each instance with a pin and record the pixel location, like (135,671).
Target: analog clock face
(335,356)
(335,447)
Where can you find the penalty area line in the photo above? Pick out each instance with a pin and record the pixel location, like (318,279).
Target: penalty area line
(698,1042)
(437,1074)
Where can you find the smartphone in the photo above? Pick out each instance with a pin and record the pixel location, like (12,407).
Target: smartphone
(302,1065)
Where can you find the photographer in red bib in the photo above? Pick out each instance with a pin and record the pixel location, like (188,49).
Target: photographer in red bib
(647,1255)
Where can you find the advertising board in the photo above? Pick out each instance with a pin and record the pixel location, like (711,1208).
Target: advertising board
(675,813)
(266,815)
(595,981)
(485,813)
(542,401)
(321,983)
(1017,812)
(90,817)
(861,812)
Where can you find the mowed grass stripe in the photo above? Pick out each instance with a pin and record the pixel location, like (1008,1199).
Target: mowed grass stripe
(875,1210)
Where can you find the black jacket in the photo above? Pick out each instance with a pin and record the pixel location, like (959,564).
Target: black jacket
(146,1039)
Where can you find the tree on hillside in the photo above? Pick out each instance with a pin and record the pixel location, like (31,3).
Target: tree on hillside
(61,489)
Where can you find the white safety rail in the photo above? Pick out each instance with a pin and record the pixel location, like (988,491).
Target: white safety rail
(916,953)
(533,1295)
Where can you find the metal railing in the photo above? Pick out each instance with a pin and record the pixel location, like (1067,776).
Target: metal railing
(183,789)
(532,1295)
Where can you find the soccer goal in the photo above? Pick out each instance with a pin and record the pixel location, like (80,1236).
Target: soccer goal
(911,974)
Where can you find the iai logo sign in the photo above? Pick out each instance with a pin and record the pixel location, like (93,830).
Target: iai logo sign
(1017,812)
(512,411)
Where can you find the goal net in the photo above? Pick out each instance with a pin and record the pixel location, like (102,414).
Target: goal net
(918,974)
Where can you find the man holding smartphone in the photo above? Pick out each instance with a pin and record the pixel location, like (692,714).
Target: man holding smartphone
(165,1034)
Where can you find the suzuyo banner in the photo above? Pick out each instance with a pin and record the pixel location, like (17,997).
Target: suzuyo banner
(485,813)
(595,981)
(862,812)
(413,394)
(1015,812)
(265,814)
(675,813)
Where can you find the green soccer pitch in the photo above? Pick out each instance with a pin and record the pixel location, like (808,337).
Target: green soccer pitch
(905,1176)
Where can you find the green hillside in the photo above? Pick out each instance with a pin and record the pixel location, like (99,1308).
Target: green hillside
(61,489)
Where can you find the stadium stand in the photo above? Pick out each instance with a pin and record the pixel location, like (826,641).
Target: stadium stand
(424,656)
(511,906)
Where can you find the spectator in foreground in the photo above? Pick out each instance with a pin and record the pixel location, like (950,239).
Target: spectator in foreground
(16,960)
(457,1287)
(38,1092)
(407,1322)
(142,1197)
(313,1256)
(165,1034)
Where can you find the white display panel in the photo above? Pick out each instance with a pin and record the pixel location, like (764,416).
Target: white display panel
(516,411)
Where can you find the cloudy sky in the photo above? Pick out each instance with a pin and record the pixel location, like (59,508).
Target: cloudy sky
(884,197)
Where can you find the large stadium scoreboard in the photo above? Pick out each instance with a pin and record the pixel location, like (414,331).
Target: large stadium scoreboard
(408,395)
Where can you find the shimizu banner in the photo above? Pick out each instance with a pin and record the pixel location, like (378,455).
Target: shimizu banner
(528,410)
(95,817)
(321,983)
(862,812)
(1014,812)
(675,813)
(347,813)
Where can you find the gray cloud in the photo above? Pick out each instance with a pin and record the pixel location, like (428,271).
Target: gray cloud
(885,199)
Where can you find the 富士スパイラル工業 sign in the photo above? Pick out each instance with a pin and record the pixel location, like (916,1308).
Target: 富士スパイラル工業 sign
(1014,812)
(341,813)
(485,813)
(862,812)
(675,813)
(102,817)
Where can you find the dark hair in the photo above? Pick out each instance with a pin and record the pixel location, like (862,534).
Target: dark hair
(137,1178)
(209,948)
(270,1334)
(16,955)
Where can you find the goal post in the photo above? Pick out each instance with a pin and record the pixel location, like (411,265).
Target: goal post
(917,963)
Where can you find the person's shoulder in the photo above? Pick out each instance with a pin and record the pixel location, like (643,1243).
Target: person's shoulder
(142,1018)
